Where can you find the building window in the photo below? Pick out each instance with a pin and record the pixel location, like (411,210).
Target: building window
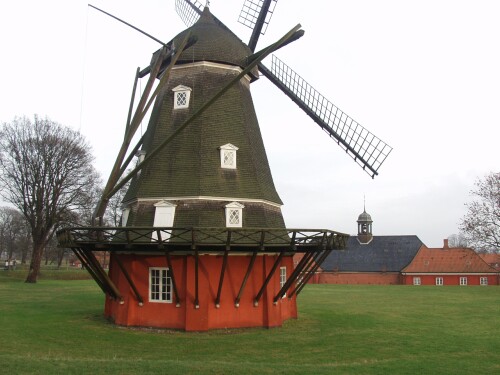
(416,281)
(125,213)
(282,278)
(234,215)
(182,95)
(228,156)
(160,285)
(439,281)
(483,281)
(164,217)
(463,281)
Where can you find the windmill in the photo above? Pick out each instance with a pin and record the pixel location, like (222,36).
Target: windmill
(203,243)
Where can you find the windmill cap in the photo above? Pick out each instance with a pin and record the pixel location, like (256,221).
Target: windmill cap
(215,43)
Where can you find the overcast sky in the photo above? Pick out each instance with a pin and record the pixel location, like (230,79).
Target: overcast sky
(424,76)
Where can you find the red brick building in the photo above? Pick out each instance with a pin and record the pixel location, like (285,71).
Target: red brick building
(457,266)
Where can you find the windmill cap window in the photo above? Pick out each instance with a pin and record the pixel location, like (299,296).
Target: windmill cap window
(234,215)
(182,95)
(228,156)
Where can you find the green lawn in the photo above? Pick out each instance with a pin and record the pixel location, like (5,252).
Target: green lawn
(56,326)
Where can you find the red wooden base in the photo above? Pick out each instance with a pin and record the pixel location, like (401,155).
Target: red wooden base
(207,315)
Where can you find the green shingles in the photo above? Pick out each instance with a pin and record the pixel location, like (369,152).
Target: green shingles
(189,166)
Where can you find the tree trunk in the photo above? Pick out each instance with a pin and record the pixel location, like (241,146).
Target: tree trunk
(36,260)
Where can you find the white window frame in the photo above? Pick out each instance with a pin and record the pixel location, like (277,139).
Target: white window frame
(282,278)
(125,213)
(164,292)
(181,90)
(439,281)
(228,156)
(164,217)
(232,209)
(463,280)
(483,280)
(417,280)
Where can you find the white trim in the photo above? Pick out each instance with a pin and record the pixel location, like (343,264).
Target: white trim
(206,198)
(283,278)
(211,65)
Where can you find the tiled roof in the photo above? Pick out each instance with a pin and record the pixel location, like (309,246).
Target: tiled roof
(492,259)
(215,43)
(382,254)
(455,260)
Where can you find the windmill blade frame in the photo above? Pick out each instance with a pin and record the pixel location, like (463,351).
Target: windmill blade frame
(256,15)
(364,147)
(189,11)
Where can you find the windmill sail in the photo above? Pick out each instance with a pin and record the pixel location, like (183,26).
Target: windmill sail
(256,14)
(189,10)
(364,147)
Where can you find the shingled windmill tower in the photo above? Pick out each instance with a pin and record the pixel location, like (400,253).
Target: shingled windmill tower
(203,243)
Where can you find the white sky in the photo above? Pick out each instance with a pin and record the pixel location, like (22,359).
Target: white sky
(423,76)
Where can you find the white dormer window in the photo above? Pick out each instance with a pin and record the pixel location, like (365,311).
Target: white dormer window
(141,155)
(182,94)
(228,156)
(125,213)
(234,215)
(164,217)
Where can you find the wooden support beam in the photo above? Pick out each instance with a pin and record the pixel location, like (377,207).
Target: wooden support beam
(268,278)
(245,279)
(129,279)
(103,275)
(172,276)
(293,277)
(221,279)
(318,263)
(305,272)
(196,266)
(85,264)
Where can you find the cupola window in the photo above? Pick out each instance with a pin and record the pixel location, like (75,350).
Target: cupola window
(234,215)
(182,95)
(228,156)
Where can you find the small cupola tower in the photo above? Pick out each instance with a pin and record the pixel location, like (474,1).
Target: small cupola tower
(365,234)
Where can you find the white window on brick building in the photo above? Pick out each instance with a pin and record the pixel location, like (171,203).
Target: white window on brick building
(160,285)
(439,281)
(463,280)
(182,95)
(483,281)
(416,280)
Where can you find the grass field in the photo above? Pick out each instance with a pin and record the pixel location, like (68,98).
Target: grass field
(56,326)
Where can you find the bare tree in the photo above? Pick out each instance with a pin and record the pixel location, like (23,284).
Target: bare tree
(45,171)
(481,224)
(13,229)
(457,240)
